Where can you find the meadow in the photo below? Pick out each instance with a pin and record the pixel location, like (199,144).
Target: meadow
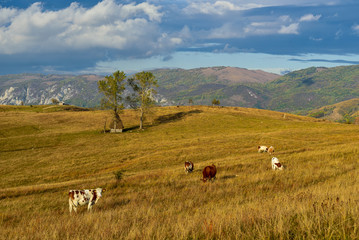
(46,151)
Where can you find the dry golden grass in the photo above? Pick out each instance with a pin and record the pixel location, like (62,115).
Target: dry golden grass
(44,154)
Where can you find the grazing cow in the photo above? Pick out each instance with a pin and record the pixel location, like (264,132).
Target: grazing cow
(276,165)
(270,150)
(82,197)
(262,149)
(188,166)
(209,173)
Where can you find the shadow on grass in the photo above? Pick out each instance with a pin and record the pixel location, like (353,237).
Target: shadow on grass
(131,128)
(162,119)
(229,176)
(175,116)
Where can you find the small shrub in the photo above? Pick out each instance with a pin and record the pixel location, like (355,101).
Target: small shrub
(118,175)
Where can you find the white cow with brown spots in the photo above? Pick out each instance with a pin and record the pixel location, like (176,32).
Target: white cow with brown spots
(83,197)
(276,165)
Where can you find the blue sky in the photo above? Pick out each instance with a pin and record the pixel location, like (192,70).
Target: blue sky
(103,36)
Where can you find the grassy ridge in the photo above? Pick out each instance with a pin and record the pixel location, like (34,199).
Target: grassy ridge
(43,155)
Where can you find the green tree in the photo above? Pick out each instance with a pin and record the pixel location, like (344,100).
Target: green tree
(143,84)
(112,88)
(215,102)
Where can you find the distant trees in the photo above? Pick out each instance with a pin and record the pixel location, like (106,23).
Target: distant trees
(55,101)
(190,101)
(113,87)
(215,102)
(143,85)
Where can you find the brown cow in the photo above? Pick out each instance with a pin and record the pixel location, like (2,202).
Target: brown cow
(209,173)
(188,166)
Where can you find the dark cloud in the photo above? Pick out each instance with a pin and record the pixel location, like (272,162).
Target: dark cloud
(324,61)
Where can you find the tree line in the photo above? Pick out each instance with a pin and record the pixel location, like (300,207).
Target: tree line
(142,97)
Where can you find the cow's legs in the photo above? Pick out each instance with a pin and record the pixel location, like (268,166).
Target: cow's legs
(72,206)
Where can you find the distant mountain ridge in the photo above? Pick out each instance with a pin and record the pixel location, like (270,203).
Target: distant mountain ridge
(296,92)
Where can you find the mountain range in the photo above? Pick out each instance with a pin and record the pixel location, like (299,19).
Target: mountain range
(300,92)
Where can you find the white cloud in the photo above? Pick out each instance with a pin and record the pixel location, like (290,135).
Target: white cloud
(227,30)
(291,29)
(355,28)
(218,7)
(105,25)
(6,15)
(310,18)
(279,25)
(261,28)
(316,39)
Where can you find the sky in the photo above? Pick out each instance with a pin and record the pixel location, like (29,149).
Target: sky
(100,37)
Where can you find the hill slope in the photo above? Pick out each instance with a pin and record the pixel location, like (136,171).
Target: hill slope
(346,111)
(311,88)
(45,154)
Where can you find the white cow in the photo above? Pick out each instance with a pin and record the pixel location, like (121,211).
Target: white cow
(82,197)
(276,165)
(262,149)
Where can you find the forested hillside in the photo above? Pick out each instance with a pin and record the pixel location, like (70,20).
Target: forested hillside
(311,88)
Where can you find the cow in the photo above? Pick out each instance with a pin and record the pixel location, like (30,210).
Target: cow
(188,166)
(82,197)
(270,150)
(262,149)
(209,173)
(276,165)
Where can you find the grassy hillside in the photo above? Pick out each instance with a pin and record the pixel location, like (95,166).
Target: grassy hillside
(345,112)
(45,154)
(311,88)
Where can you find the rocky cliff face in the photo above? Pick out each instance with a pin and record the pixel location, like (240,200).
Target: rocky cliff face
(36,89)
(17,95)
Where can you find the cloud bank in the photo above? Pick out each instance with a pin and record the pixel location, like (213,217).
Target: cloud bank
(78,35)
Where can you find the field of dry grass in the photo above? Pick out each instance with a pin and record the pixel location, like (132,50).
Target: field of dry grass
(43,154)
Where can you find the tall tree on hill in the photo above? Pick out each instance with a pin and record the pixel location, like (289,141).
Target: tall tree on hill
(143,84)
(112,88)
